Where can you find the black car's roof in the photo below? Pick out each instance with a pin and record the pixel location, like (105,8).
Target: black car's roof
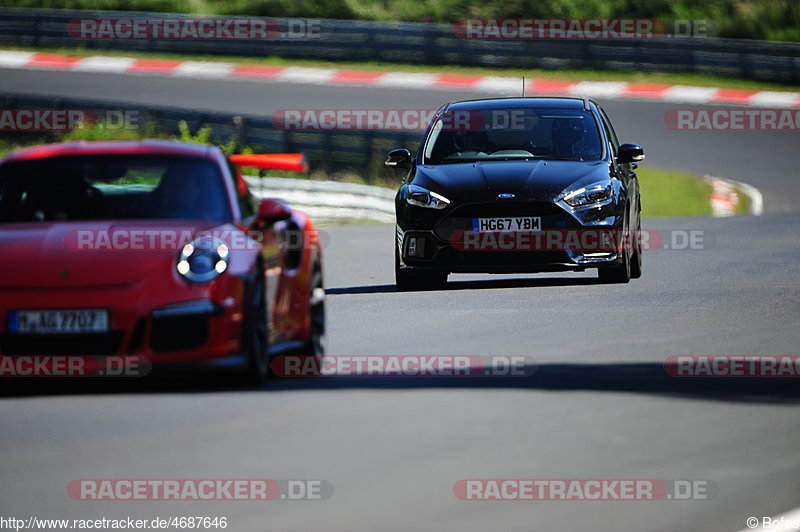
(515,103)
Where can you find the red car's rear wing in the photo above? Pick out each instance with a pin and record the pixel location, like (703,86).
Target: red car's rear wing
(290,162)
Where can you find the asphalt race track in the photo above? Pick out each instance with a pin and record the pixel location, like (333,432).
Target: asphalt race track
(599,404)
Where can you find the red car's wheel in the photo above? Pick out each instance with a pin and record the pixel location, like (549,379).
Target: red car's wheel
(255,340)
(315,346)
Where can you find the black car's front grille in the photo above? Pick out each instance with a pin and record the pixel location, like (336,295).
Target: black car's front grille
(94,344)
(507,208)
(501,260)
(553,216)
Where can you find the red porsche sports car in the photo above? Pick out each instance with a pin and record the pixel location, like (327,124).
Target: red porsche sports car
(156,251)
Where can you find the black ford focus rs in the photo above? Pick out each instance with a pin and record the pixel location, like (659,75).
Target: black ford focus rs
(517,185)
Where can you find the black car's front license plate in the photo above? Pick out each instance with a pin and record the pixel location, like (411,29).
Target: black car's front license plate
(509,224)
(58,321)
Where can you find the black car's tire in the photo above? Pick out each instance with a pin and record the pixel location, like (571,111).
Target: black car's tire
(315,346)
(408,281)
(412,280)
(620,273)
(636,259)
(255,335)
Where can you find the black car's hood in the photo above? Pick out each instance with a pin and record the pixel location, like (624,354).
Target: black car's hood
(535,180)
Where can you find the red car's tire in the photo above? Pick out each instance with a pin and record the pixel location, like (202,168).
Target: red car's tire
(255,335)
(315,345)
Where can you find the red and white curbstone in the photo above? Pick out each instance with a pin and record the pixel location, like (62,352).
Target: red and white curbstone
(404,80)
(725,200)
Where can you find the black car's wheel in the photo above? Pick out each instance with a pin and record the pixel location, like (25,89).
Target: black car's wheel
(636,259)
(411,280)
(622,272)
(315,346)
(255,336)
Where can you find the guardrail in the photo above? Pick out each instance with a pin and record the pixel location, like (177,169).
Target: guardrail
(332,151)
(322,200)
(434,44)
(326,201)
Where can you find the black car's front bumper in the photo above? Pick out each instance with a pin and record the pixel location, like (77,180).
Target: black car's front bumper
(435,240)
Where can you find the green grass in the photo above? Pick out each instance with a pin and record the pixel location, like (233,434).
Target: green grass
(671,193)
(7,146)
(743,207)
(696,80)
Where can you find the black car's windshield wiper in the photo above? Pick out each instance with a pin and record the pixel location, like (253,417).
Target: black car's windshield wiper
(514,158)
(505,158)
(457,160)
(486,159)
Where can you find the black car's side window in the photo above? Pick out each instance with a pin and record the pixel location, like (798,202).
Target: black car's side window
(612,136)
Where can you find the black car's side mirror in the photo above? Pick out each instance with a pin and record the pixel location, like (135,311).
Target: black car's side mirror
(630,153)
(398,158)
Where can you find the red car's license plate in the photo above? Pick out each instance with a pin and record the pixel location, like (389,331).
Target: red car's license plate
(58,321)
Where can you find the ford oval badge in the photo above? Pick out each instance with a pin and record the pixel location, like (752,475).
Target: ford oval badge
(506,196)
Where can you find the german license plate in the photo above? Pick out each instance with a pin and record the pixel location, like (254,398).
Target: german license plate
(511,224)
(58,321)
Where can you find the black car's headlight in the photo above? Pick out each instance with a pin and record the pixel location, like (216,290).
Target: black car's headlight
(422,197)
(203,259)
(594,195)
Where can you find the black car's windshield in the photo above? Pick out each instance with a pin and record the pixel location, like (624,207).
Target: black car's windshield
(112,187)
(503,134)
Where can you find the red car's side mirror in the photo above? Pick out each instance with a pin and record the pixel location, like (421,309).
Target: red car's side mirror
(271,211)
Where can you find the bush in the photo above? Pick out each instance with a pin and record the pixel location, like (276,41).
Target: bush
(746,19)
